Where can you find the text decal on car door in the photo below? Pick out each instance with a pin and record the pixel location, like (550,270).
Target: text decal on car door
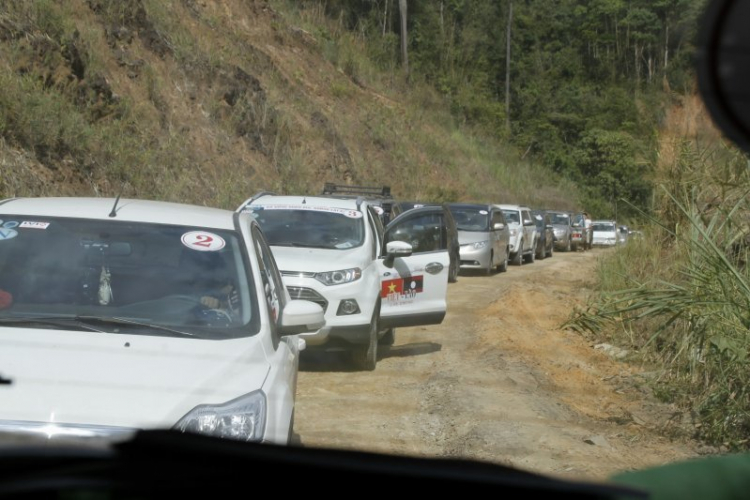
(402,290)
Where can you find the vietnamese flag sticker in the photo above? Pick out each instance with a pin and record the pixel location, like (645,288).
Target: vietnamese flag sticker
(391,286)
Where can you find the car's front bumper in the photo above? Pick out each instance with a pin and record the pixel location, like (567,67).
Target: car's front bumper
(472,258)
(350,328)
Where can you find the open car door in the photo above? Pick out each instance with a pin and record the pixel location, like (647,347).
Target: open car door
(414,282)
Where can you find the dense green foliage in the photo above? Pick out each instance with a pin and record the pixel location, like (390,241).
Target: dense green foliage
(588,78)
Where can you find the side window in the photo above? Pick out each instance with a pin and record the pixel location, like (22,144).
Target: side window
(423,232)
(526,217)
(272,285)
(377,231)
(497,218)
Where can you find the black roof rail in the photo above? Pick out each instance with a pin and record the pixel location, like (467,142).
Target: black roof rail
(331,188)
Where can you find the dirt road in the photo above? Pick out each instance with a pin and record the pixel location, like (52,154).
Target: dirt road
(497,381)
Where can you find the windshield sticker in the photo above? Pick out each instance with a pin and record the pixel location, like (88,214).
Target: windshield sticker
(418,205)
(344,245)
(401,291)
(483,212)
(34,225)
(203,241)
(352,214)
(7,231)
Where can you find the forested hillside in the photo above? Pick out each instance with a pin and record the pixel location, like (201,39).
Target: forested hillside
(588,82)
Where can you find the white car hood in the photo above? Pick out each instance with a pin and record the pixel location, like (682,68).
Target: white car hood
(318,260)
(466,237)
(132,381)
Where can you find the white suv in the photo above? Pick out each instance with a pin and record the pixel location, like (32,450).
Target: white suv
(335,252)
(117,315)
(523,233)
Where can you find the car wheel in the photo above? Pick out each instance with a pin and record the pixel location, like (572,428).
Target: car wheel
(518,257)
(490,265)
(453,271)
(568,246)
(365,357)
(574,247)
(540,250)
(504,265)
(388,338)
(531,257)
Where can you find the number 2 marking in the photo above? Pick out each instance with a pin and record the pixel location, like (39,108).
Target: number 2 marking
(203,241)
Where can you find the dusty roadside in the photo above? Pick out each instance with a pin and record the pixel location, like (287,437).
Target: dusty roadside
(497,381)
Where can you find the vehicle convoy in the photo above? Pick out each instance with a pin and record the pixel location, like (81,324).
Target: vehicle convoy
(483,235)
(118,315)
(369,280)
(523,233)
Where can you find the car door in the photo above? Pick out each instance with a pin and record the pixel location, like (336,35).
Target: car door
(529,230)
(413,290)
(284,358)
(498,244)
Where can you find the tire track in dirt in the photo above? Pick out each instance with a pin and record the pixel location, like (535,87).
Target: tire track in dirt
(497,381)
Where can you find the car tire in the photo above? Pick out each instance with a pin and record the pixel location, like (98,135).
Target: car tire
(453,270)
(365,357)
(518,257)
(388,338)
(540,253)
(574,247)
(490,265)
(503,267)
(568,245)
(531,256)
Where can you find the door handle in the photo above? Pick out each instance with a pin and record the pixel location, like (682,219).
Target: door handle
(433,267)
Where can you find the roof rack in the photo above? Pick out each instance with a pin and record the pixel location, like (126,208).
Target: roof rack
(343,190)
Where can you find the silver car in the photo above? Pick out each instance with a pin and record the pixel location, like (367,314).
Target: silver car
(483,237)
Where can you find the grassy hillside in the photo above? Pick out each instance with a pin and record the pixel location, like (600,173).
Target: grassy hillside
(208,101)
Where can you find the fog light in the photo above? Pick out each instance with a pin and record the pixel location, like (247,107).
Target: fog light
(348,306)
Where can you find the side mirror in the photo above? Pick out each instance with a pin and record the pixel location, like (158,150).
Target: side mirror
(396,249)
(528,223)
(577,224)
(550,226)
(301,316)
(499,225)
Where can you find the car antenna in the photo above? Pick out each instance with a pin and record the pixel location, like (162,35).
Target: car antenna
(113,213)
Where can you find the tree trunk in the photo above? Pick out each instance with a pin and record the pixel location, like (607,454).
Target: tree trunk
(404,40)
(507,66)
(385,16)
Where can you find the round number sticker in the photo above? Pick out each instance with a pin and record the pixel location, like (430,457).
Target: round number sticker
(203,241)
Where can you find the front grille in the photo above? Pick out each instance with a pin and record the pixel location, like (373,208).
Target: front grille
(302,293)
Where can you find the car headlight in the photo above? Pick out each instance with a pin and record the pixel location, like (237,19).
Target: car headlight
(339,277)
(514,232)
(243,419)
(479,245)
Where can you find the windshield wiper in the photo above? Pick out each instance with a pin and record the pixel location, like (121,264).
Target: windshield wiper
(86,323)
(115,320)
(296,244)
(55,321)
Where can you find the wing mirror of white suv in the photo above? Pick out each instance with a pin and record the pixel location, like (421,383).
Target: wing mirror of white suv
(395,249)
(301,316)
(499,226)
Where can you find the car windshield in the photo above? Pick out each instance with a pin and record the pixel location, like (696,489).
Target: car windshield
(512,216)
(471,219)
(310,227)
(560,219)
(603,227)
(122,276)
